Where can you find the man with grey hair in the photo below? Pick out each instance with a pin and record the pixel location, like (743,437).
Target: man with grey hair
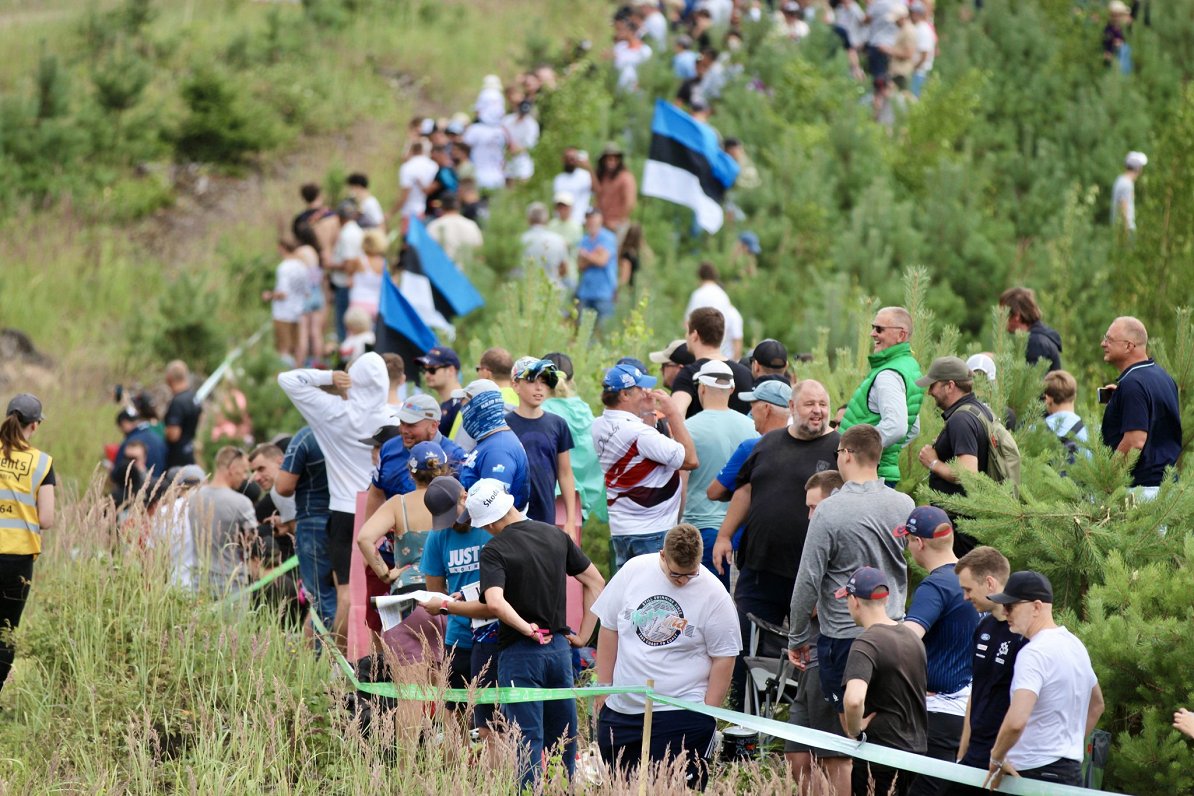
(542,248)
(1123,193)
(1143,412)
(889,398)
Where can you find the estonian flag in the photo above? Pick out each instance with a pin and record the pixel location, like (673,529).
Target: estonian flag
(687,166)
(397,318)
(456,294)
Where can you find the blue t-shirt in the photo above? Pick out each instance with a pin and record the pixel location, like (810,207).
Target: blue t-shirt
(305,459)
(500,456)
(544,439)
(728,477)
(949,622)
(599,283)
(456,557)
(716,435)
(1145,399)
(155,453)
(994,647)
(393,469)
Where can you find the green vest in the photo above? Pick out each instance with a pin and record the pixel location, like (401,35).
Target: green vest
(898,358)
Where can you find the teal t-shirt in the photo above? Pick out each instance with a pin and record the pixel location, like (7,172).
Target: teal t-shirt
(590,480)
(716,435)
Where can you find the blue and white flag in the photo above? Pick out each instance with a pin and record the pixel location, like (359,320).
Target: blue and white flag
(686,165)
(397,314)
(448,281)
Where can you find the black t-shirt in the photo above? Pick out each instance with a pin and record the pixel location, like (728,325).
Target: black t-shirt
(995,649)
(184,413)
(530,561)
(963,435)
(686,382)
(891,660)
(777,521)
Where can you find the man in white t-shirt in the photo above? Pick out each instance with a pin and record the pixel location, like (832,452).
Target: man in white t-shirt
(665,618)
(1123,193)
(487,142)
(347,252)
(711,294)
(542,248)
(642,466)
(575,180)
(415,176)
(926,46)
(1056,699)
(371,213)
(287,300)
(522,130)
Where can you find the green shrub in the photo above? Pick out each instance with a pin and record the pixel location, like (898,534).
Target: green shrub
(220,125)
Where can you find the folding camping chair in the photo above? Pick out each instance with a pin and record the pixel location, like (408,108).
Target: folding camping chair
(771,677)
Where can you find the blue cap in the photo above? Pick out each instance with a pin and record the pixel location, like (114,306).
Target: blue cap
(426,455)
(638,363)
(623,377)
(867,583)
(927,522)
(751,241)
(438,357)
(773,391)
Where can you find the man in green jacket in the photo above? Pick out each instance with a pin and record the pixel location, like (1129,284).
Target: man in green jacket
(888,397)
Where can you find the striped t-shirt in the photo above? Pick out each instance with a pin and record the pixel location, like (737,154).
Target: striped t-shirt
(642,473)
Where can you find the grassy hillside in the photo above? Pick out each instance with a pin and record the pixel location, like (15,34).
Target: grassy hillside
(114,259)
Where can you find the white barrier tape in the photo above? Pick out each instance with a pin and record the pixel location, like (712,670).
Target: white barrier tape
(881,755)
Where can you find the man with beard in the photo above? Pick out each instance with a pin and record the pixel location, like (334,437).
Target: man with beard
(771,499)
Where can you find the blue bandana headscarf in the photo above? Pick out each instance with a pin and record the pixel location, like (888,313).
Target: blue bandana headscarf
(484,414)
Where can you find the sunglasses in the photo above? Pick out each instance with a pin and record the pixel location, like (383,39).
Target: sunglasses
(433,368)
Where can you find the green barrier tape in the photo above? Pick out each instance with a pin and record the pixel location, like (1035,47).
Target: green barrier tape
(273,575)
(880,755)
(477,696)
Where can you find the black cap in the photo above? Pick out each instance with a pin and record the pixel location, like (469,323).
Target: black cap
(26,407)
(1024,586)
(563,363)
(771,354)
(382,436)
(127,413)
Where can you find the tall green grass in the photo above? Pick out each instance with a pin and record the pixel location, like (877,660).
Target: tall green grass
(126,685)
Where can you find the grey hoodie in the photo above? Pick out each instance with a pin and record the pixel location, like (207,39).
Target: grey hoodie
(851,529)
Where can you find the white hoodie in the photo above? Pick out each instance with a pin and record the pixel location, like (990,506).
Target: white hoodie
(339,425)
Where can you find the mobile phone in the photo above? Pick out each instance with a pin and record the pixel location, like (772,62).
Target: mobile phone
(1105,395)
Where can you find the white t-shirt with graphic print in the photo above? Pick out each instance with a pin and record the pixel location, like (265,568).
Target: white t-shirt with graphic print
(666,632)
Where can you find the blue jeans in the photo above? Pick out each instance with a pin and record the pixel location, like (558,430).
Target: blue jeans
(341,299)
(542,724)
(603,307)
(708,537)
(315,567)
(636,544)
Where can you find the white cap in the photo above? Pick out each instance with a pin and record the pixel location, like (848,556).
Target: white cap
(716,374)
(488,501)
(1136,160)
(898,12)
(419,407)
(475,388)
(563,198)
(982,362)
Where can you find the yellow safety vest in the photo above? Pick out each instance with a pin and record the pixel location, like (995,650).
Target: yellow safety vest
(21,475)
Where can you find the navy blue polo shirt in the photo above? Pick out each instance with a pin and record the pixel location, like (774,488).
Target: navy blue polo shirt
(995,650)
(1145,399)
(949,621)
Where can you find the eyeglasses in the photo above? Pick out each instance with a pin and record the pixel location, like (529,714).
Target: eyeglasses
(877,329)
(1107,339)
(840,451)
(683,576)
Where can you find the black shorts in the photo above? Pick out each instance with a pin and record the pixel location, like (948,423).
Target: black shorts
(831,662)
(809,709)
(340,541)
